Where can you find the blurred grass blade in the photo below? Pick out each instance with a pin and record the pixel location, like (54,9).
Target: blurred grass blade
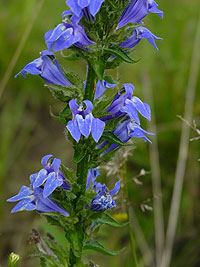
(20,47)
(183,150)
(155,170)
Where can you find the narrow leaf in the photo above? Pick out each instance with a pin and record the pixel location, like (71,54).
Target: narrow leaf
(100,248)
(57,118)
(110,136)
(98,66)
(69,173)
(119,53)
(106,219)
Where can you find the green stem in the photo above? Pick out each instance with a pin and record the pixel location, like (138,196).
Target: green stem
(89,87)
(83,165)
(81,173)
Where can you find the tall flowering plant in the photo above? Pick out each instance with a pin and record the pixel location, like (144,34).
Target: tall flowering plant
(99,120)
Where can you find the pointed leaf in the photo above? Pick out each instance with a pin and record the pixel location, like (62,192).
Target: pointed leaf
(69,173)
(108,220)
(98,66)
(110,136)
(99,248)
(58,118)
(119,53)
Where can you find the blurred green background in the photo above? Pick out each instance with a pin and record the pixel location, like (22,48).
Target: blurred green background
(27,131)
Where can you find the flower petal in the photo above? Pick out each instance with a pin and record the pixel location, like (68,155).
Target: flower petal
(25,192)
(142,108)
(115,189)
(84,124)
(56,164)
(131,110)
(97,129)
(51,184)
(45,159)
(73,128)
(24,204)
(41,178)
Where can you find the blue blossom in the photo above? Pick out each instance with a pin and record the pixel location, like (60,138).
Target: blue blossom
(125,103)
(125,130)
(49,176)
(48,68)
(137,10)
(33,199)
(139,33)
(104,198)
(85,7)
(83,122)
(65,35)
(91,178)
(101,88)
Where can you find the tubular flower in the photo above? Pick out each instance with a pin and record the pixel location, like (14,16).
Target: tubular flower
(125,103)
(65,35)
(48,68)
(83,122)
(50,176)
(87,8)
(125,130)
(92,175)
(137,10)
(104,198)
(33,199)
(101,88)
(139,33)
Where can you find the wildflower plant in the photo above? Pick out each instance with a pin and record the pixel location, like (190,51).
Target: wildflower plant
(98,119)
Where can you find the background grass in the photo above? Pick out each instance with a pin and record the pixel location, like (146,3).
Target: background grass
(27,131)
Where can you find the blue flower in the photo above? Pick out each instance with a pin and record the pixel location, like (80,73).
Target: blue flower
(139,33)
(65,35)
(85,7)
(104,198)
(83,122)
(137,10)
(92,175)
(101,88)
(48,68)
(33,199)
(125,103)
(50,176)
(125,130)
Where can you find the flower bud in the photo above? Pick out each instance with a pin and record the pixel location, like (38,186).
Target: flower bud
(13,260)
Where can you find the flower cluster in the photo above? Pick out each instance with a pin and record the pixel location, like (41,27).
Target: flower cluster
(38,195)
(98,117)
(104,198)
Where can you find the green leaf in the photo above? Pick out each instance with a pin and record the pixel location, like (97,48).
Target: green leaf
(71,57)
(98,66)
(61,93)
(100,248)
(108,220)
(79,153)
(110,136)
(57,118)
(118,52)
(69,173)
(66,112)
(109,79)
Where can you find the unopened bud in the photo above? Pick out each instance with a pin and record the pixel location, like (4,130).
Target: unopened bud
(13,260)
